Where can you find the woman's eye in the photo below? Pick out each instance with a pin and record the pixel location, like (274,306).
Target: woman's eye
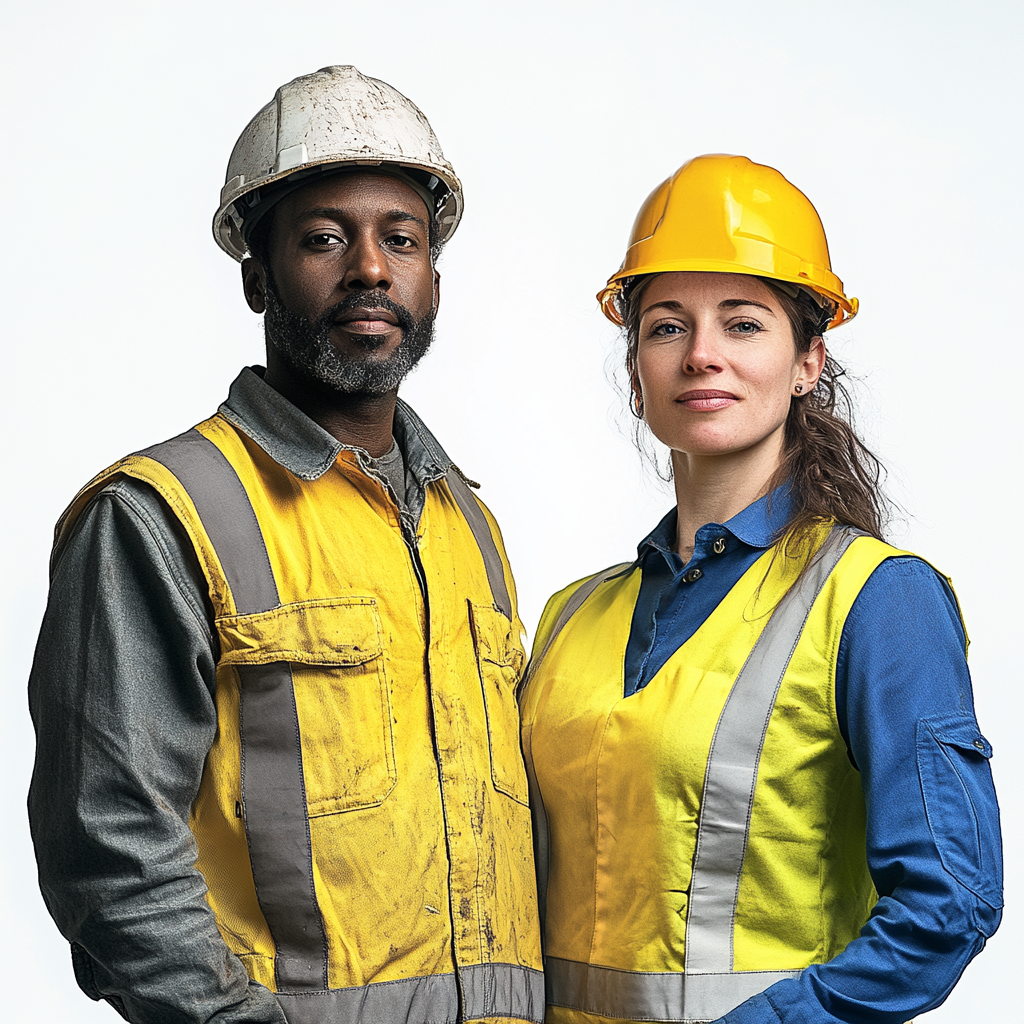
(746,327)
(665,330)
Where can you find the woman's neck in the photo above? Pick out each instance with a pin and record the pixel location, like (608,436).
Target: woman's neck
(712,489)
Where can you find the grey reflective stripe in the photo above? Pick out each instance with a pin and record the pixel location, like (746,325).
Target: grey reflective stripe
(227,516)
(430,1000)
(488,990)
(651,996)
(731,774)
(273,787)
(474,515)
(502,990)
(277,827)
(541,841)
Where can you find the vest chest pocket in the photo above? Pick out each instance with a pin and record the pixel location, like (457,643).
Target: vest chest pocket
(335,650)
(500,658)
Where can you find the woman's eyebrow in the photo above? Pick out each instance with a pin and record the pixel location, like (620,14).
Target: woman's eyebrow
(672,304)
(733,303)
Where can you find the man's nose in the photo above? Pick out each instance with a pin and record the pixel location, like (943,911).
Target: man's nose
(366,267)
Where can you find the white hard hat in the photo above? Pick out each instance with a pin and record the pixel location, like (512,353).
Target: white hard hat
(333,117)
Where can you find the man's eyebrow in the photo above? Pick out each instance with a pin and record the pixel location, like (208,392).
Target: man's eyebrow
(337,213)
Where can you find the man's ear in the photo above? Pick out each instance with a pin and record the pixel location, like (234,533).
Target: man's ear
(437,291)
(253,285)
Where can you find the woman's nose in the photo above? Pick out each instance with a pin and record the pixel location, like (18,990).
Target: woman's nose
(702,355)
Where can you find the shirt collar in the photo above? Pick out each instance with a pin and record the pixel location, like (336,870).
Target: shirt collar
(303,447)
(758,525)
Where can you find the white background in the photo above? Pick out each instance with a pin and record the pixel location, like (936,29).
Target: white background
(124,324)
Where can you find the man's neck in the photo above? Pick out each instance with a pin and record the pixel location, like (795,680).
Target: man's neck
(361,421)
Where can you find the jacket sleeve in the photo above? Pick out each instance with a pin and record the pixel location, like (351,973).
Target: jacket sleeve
(905,704)
(121,695)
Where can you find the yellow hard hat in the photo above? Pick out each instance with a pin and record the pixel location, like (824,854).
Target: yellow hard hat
(728,215)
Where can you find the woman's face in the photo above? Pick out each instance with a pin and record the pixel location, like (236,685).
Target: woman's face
(717,365)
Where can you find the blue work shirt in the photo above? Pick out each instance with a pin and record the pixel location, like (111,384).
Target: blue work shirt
(906,711)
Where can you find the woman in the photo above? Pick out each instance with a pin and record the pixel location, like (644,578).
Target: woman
(760,793)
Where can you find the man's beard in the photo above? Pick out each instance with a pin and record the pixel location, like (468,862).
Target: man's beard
(306,346)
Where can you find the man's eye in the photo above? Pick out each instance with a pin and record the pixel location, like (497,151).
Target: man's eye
(401,242)
(324,238)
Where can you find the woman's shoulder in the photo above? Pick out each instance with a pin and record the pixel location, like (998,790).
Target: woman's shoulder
(564,602)
(906,593)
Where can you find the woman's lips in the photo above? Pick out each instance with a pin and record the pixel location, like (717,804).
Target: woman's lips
(706,400)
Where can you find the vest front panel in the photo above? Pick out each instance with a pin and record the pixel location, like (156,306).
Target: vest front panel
(621,782)
(404,715)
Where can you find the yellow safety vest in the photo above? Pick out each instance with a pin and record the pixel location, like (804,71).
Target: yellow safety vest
(362,821)
(703,838)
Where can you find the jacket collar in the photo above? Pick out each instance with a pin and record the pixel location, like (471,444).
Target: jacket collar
(304,448)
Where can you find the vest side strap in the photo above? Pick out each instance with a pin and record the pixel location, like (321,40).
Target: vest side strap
(474,515)
(273,787)
(731,775)
(226,514)
(670,996)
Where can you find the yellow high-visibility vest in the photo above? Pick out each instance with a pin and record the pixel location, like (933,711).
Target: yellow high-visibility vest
(704,837)
(362,821)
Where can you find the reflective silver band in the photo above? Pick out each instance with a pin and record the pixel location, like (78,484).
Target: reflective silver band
(474,515)
(541,847)
(273,786)
(731,775)
(648,996)
(488,990)
(501,990)
(277,826)
(227,516)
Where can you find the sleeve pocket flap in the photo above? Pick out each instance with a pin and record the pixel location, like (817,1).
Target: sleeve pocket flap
(960,803)
(331,631)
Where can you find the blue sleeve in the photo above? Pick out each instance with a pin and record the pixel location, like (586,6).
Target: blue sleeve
(905,705)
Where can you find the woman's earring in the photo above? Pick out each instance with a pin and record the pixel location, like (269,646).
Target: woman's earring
(638,405)
(799,388)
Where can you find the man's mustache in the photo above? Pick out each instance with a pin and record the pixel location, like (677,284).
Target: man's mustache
(367,300)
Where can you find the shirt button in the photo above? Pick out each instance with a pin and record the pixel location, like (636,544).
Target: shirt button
(692,576)
(719,546)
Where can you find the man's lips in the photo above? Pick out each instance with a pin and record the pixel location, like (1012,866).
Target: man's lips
(367,321)
(706,400)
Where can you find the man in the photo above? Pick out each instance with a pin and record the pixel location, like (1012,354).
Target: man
(278,772)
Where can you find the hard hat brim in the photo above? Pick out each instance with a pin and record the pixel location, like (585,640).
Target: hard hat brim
(226,231)
(847,307)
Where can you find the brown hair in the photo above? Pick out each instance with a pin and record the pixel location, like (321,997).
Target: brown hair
(831,472)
